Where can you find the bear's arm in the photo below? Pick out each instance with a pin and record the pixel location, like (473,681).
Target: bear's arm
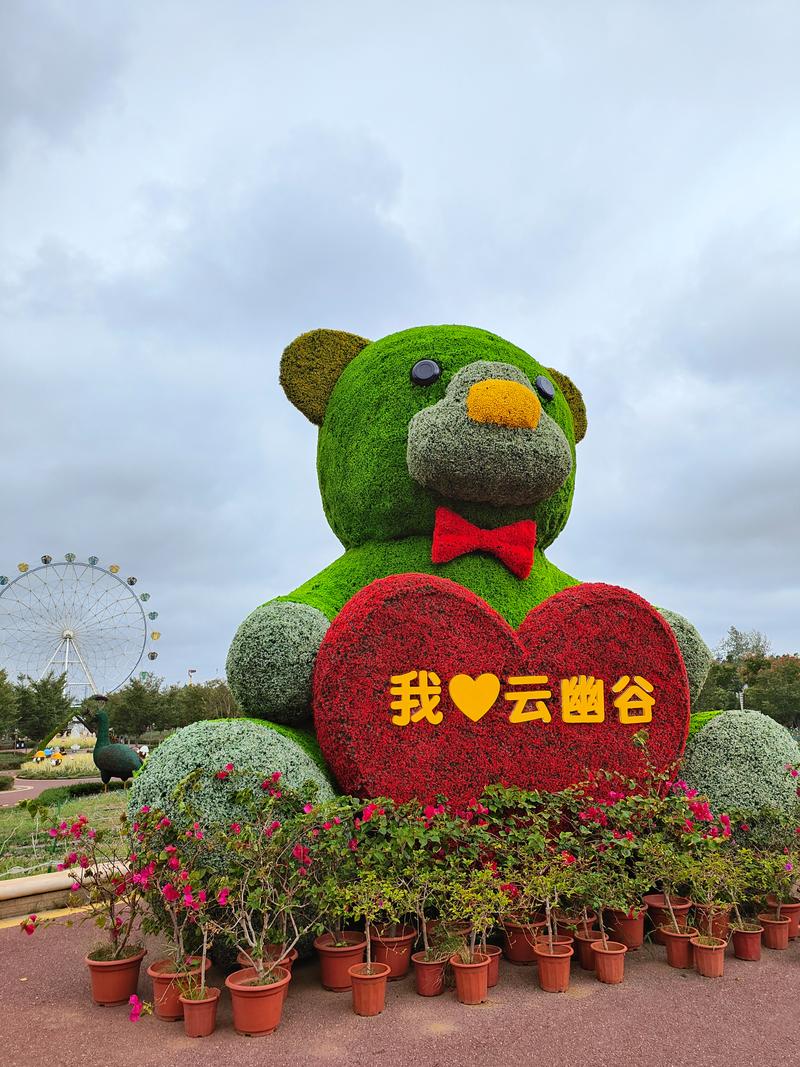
(271,660)
(695,652)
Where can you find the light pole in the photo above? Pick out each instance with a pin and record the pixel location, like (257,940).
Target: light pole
(190,672)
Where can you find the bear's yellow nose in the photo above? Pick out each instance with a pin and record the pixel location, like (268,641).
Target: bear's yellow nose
(504,403)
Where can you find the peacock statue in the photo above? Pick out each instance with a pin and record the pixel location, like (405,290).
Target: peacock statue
(112,760)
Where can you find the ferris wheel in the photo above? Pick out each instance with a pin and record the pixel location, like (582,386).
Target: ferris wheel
(74,618)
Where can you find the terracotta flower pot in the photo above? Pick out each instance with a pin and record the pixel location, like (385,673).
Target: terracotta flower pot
(628,927)
(519,939)
(456,929)
(200,1016)
(336,960)
(394,950)
(789,909)
(553,965)
(679,949)
(659,912)
(115,981)
(712,922)
(709,955)
(256,1008)
(543,938)
(369,989)
(747,943)
(471,979)
(494,952)
(166,986)
(609,961)
(288,960)
(428,975)
(776,931)
(568,924)
(583,948)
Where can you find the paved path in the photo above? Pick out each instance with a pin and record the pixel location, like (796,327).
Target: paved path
(28,788)
(659,1017)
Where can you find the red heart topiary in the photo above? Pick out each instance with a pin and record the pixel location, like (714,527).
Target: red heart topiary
(417,622)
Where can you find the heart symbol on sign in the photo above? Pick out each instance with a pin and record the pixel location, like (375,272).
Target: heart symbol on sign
(444,646)
(474,696)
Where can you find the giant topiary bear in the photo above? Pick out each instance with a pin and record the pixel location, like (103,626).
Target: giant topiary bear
(431,442)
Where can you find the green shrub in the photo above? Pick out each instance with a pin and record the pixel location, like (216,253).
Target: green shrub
(12,761)
(738,760)
(59,794)
(701,719)
(6,782)
(253,747)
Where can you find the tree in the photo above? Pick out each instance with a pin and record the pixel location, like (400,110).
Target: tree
(740,644)
(137,707)
(9,712)
(776,690)
(43,706)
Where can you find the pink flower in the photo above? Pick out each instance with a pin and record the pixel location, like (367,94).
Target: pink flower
(327,825)
(276,776)
(789,866)
(222,897)
(170,893)
(308,808)
(136,1008)
(429,811)
(144,809)
(75,887)
(236,828)
(352,844)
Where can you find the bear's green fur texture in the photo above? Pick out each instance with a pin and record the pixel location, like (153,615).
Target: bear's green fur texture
(367,491)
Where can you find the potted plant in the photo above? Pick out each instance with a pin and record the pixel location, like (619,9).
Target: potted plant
(778,872)
(603,889)
(546,880)
(367,900)
(747,884)
(474,897)
(172,872)
(200,1000)
(103,865)
(675,866)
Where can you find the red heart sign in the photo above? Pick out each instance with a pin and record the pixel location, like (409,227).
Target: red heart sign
(421,688)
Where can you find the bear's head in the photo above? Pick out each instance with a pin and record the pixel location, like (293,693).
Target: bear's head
(435,415)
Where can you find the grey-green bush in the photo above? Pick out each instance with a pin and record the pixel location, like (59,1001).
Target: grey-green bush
(738,760)
(254,748)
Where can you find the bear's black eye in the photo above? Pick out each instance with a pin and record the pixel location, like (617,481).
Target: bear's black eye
(425,372)
(545,388)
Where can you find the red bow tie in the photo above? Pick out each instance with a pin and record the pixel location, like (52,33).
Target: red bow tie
(513,545)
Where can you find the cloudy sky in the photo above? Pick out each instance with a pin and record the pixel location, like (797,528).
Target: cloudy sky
(186,186)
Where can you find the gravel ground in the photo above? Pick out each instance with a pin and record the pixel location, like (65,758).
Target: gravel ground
(659,1017)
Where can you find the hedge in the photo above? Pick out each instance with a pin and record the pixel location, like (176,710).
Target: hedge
(738,760)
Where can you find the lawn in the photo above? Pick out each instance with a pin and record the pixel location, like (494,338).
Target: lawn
(26,848)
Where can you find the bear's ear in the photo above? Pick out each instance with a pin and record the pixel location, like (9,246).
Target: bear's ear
(311,365)
(572,395)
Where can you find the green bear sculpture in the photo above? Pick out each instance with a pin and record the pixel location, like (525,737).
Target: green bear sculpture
(422,435)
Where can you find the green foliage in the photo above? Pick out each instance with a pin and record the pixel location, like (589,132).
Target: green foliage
(701,719)
(256,751)
(59,794)
(12,761)
(145,705)
(738,645)
(6,782)
(776,690)
(738,760)
(9,711)
(43,708)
